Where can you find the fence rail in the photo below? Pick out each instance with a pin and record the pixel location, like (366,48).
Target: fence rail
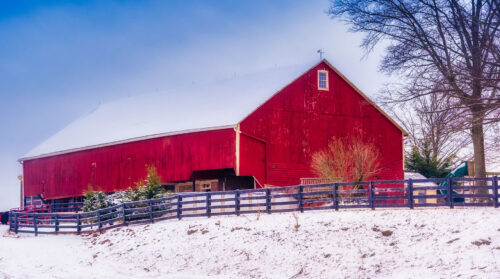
(66,207)
(373,194)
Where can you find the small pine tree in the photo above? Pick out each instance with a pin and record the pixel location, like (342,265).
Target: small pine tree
(429,165)
(133,194)
(152,189)
(94,200)
(149,188)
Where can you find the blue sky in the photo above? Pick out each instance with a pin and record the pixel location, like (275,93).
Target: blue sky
(61,59)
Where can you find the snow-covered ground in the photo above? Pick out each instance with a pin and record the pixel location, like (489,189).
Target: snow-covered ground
(428,243)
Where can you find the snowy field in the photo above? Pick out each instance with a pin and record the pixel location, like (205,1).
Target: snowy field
(428,243)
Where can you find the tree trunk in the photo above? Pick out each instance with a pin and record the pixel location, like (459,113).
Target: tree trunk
(477,134)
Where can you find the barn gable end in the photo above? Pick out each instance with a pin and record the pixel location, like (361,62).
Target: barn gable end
(300,119)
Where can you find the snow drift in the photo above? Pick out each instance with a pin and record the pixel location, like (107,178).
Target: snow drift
(428,243)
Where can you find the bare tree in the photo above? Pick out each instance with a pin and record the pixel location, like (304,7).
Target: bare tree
(432,127)
(447,48)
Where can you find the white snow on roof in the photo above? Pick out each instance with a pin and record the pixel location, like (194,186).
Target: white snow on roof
(493,166)
(416,175)
(220,103)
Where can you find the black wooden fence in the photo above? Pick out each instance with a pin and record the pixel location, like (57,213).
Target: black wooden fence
(66,207)
(373,194)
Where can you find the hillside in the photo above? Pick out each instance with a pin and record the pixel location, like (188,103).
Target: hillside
(430,243)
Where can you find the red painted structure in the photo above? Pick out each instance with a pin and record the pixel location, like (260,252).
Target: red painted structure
(300,120)
(118,167)
(273,144)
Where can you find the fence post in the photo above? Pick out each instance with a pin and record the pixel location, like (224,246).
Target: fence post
(268,201)
(300,190)
(99,225)
(370,195)
(335,196)
(150,211)
(51,207)
(124,206)
(57,224)
(410,193)
(10,221)
(495,191)
(450,191)
(16,228)
(179,207)
(17,222)
(237,202)
(208,200)
(78,223)
(35,223)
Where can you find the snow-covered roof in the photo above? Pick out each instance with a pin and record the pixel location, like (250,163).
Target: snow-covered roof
(416,175)
(194,107)
(219,104)
(493,166)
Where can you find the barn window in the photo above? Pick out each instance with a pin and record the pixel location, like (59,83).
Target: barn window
(322,80)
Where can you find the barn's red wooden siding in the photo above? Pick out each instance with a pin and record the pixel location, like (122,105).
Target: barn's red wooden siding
(253,157)
(300,120)
(119,166)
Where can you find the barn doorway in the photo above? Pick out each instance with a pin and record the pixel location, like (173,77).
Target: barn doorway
(216,180)
(239,183)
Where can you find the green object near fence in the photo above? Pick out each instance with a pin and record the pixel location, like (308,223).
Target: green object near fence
(461,171)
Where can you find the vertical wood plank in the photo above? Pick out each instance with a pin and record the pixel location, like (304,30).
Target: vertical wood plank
(150,211)
(12,225)
(335,196)
(56,224)
(124,212)
(35,223)
(78,223)
(371,195)
(208,200)
(99,220)
(237,202)
(11,222)
(179,207)
(450,191)
(17,221)
(495,191)
(268,201)
(410,193)
(300,191)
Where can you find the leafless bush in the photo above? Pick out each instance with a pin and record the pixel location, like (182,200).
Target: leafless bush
(347,159)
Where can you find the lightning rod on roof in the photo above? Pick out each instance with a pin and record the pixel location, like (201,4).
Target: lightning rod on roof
(320,51)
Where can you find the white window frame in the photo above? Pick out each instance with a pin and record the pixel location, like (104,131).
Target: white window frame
(326,74)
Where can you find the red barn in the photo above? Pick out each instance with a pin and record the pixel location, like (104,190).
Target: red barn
(271,145)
